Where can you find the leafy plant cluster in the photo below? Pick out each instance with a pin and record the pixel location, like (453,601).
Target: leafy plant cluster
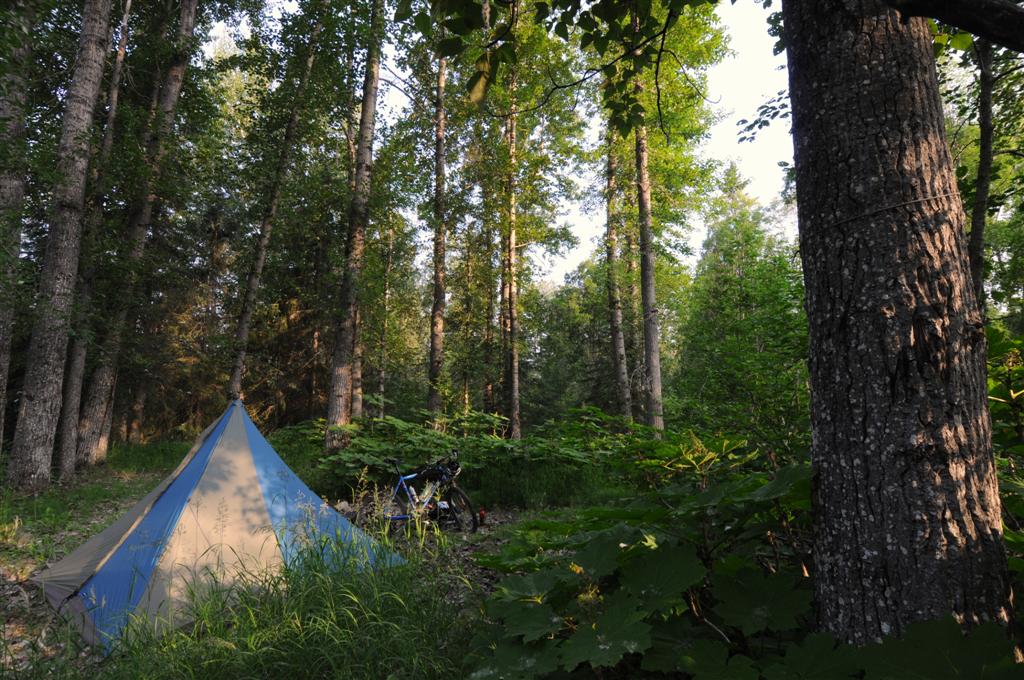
(707,575)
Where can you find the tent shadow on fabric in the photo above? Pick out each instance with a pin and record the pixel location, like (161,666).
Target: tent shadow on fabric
(231,508)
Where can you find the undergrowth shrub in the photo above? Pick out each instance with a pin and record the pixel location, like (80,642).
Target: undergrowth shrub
(572,461)
(707,576)
(159,456)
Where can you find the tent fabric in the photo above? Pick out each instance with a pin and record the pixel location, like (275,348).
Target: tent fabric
(232,507)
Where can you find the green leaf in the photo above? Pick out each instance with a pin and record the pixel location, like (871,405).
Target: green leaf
(753,601)
(961,41)
(514,661)
(450,47)
(605,642)
(660,577)
(817,658)
(403,10)
(529,619)
(790,479)
(935,650)
(423,23)
(709,660)
(529,586)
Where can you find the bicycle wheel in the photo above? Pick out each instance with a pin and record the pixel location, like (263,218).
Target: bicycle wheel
(455,511)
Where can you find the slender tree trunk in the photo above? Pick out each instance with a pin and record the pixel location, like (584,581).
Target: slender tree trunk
(135,435)
(74,374)
(631,318)
(488,248)
(284,161)
(385,312)
(101,385)
(13,97)
(906,506)
(512,296)
(619,361)
(983,181)
(339,400)
(434,401)
(39,411)
(652,349)
(357,367)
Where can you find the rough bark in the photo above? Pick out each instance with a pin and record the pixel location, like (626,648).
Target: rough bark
(1000,21)
(74,374)
(512,400)
(907,511)
(436,368)
(652,344)
(101,385)
(39,410)
(618,340)
(983,179)
(283,165)
(13,97)
(339,399)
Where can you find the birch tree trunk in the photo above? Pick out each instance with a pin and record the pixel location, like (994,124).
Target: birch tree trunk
(436,368)
(74,375)
(39,411)
(13,97)
(907,511)
(267,222)
(100,393)
(619,361)
(339,399)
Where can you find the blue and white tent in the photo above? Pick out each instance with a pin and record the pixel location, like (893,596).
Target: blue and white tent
(232,506)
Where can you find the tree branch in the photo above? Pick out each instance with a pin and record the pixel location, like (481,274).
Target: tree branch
(1000,21)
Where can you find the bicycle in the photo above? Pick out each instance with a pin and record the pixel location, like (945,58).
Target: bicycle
(439,501)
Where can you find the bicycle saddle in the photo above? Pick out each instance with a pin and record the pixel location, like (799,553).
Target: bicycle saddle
(393,461)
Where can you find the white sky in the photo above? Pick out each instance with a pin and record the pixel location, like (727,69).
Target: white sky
(742,82)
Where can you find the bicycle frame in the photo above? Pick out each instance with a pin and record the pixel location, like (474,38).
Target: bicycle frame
(419,505)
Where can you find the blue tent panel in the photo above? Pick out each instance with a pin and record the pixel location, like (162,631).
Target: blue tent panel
(297,513)
(113,592)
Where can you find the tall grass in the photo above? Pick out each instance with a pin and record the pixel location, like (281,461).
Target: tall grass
(315,619)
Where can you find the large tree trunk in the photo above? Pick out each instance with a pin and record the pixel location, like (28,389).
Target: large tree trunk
(12,193)
(101,386)
(339,400)
(619,361)
(652,342)
(74,374)
(39,411)
(284,161)
(983,180)
(434,401)
(907,511)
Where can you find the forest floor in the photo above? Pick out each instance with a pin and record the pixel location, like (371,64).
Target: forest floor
(36,531)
